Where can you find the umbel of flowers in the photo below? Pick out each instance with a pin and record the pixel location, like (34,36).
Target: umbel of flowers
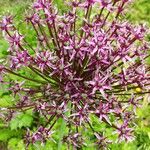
(87,64)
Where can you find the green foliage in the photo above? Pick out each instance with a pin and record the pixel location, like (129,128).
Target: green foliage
(16,144)
(21,120)
(6,134)
(61,134)
(61,5)
(139,12)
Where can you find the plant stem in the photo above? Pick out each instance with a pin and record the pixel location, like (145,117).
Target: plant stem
(33,80)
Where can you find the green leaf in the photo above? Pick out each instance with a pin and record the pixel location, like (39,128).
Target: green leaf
(5,101)
(16,144)
(61,5)
(6,133)
(22,120)
(26,120)
(14,124)
(61,133)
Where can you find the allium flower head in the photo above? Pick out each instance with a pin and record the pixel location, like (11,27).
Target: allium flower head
(81,68)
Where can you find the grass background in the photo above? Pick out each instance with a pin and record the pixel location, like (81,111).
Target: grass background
(10,137)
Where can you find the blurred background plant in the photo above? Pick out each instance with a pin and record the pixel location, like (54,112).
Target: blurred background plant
(10,136)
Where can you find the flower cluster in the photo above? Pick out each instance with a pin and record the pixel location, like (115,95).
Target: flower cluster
(83,67)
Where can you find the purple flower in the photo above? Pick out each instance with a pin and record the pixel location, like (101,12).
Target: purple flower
(100,83)
(102,141)
(34,19)
(102,112)
(41,4)
(16,88)
(75,139)
(6,23)
(21,59)
(15,40)
(124,132)
(85,65)
(42,134)
(44,60)
(105,3)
